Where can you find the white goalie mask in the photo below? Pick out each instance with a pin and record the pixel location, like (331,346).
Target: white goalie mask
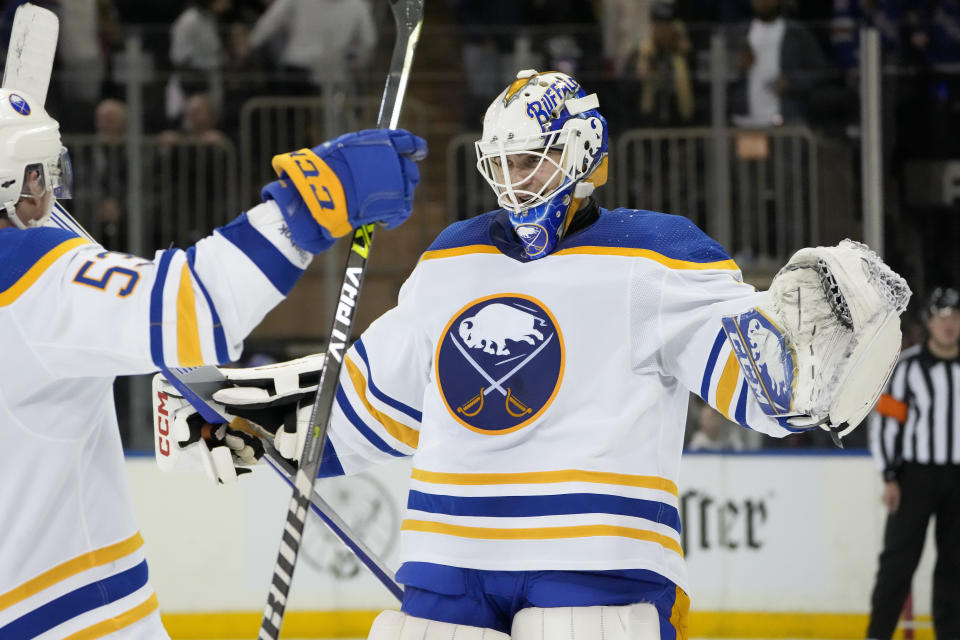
(543,150)
(33,161)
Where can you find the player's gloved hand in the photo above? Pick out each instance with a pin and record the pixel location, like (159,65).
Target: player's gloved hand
(329,190)
(278,398)
(184,441)
(821,349)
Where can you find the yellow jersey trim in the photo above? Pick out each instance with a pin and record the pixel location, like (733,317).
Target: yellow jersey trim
(188,332)
(728,384)
(541,533)
(70,568)
(673,263)
(33,273)
(437,254)
(545,477)
(398,430)
(116,623)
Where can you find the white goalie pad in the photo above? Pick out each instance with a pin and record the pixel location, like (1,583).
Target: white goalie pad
(630,622)
(822,347)
(396,625)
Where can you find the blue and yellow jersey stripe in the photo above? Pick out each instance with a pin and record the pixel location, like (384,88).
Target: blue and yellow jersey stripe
(48,606)
(380,426)
(436,506)
(27,254)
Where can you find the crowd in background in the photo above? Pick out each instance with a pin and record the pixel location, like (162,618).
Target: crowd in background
(787,62)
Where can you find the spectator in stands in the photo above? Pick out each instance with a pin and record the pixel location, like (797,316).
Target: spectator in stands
(197,54)
(849,16)
(489,49)
(623,23)
(663,69)
(89,31)
(714,432)
(568,38)
(780,64)
(325,43)
(109,180)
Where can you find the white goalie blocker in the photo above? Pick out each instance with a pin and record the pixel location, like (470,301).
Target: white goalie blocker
(821,349)
(630,622)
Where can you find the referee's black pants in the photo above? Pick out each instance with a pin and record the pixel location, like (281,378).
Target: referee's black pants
(925,490)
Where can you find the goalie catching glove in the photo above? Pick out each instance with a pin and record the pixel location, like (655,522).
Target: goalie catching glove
(821,349)
(269,401)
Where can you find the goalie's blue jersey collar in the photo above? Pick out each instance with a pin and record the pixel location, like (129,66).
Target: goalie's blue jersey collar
(673,237)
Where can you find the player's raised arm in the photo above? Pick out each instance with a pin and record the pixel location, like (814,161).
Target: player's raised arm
(190,307)
(814,350)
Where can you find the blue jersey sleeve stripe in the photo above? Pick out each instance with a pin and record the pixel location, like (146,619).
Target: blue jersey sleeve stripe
(711,364)
(362,427)
(741,413)
(380,395)
(219,337)
(156,308)
(281,273)
(330,466)
(76,602)
(544,505)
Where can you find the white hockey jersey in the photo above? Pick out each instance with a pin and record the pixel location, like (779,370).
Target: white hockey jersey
(73,316)
(544,402)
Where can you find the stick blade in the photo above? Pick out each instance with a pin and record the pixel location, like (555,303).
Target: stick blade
(33,45)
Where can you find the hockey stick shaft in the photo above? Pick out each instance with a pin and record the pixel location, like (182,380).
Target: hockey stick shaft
(408,15)
(326,513)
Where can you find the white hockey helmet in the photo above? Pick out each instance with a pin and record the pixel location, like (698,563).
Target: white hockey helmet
(30,144)
(539,113)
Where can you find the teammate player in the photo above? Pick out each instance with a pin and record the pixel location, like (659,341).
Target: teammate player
(537,367)
(73,316)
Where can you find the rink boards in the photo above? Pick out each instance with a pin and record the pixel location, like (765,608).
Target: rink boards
(778,546)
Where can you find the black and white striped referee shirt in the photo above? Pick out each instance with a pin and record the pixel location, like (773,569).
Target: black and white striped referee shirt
(917,419)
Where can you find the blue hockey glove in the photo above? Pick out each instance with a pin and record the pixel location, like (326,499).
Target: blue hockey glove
(358,178)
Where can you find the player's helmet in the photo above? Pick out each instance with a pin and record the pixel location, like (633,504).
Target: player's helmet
(942,298)
(30,142)
(537,114)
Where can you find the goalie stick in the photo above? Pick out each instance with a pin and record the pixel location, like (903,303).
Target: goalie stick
(33,44)
(408,15)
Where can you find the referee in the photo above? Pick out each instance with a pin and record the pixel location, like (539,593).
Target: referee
(915,440)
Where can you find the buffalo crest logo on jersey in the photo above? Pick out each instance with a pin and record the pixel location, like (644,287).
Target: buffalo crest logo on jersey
(766,360)
(500,362)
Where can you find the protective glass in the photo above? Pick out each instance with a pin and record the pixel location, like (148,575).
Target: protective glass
(53,175)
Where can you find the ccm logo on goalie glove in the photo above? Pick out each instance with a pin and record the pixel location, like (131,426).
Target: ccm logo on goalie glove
(163,424)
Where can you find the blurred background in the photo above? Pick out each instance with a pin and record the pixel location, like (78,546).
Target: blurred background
(172,111)
(840,125)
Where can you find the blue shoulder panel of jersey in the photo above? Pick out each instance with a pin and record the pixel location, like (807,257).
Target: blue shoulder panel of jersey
(21,249)
(675,237)
(472,231)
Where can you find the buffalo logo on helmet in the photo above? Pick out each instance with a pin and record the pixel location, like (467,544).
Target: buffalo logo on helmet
(499,363)
(19,104)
